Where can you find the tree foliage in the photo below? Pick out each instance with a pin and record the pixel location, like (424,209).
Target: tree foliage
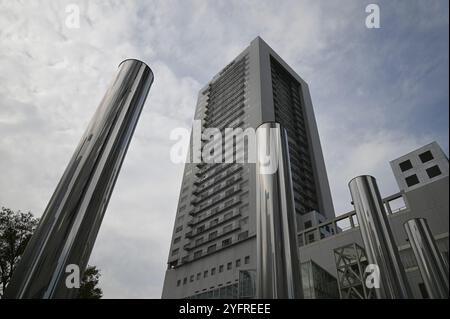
(16,229)
(88,286)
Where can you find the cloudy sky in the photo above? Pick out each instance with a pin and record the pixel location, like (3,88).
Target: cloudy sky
(377,93)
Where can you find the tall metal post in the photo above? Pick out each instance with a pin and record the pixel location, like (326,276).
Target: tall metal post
(429,260)
(69,226)
(278,264)
(379,242)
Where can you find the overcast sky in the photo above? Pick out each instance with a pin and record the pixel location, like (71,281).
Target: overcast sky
(377,94)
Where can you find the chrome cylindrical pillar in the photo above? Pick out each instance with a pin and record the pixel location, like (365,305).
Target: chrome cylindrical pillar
(69,226)
(429,260)
(278,265)
(379,242)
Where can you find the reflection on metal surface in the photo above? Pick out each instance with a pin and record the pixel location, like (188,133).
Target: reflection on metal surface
(429,260)
(70,223)
(378,240)
(278,267)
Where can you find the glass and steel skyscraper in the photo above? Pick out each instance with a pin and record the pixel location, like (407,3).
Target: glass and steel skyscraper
(213,249)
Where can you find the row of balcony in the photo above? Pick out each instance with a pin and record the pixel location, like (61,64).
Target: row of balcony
(214,235)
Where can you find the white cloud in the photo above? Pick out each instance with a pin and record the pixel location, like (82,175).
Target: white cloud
(364,88)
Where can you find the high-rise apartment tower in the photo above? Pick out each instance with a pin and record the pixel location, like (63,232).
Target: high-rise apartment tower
(213,249)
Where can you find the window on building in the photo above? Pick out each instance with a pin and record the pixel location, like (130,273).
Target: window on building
(191,279)
(184,280)
(412,180)
(226,242)
(228,203)
(426,156)
(243,235)
(308,224)
(221,268)
(199,275)
(205,274)
(178,283)
(213,271)
(212,235)
(228,215)
(176,240)
(227,228)
(243,221)
(212,248)
(229,266)
(178,229)
(214,222)
(247,260)
(433,171)
(197,254)
(238,263)
(405,165)
(200,228)
(175,252)
(198,241)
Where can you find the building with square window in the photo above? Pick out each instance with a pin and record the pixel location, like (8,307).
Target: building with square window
(423,165)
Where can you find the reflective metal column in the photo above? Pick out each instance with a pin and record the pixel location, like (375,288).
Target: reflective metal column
(70,223)
(379,242)
(278,265)
(429,260)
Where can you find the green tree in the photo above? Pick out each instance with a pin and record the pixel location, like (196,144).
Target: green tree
(16,229)
(88,286)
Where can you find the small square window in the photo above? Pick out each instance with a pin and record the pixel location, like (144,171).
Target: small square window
(426,156)
(226,242)
(213,271)
(243,235)
(433,171)
(238,263)
(308,224)
(247,260)
(221,268)
(406,165)
(229,265)
(412,180)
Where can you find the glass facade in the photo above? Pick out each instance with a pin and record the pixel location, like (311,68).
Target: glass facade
(317,282)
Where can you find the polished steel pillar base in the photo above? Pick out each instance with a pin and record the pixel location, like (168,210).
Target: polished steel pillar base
(69,226)
(278,264)
(429,260)
(379,242)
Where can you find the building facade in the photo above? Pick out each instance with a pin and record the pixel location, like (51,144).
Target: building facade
(341,248)
(424,165)
(214,237)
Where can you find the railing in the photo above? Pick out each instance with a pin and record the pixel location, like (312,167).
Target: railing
(346,222)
